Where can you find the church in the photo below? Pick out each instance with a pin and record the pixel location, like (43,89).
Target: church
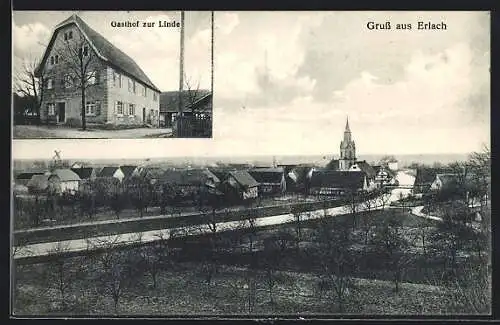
(347,152)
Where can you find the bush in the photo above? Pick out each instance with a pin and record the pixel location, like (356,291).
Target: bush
(73,122)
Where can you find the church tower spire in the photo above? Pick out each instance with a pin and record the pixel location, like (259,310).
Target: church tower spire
(347,149)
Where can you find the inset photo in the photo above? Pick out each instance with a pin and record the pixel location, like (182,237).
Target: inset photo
(112,74)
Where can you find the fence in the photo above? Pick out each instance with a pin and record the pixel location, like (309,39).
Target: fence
(193,127)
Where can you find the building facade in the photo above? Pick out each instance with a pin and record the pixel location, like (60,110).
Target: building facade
(117,91)
(347,150)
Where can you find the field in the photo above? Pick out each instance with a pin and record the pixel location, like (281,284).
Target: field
(235,287)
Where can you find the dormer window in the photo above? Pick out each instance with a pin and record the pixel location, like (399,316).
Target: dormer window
(70,34)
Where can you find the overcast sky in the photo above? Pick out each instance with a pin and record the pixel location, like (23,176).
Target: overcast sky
(155,50)
(286,81)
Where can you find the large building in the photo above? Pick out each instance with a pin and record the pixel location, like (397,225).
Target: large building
(117,91)
(347,149)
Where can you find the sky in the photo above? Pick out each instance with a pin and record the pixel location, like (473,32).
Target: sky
(155,49)
(285,82)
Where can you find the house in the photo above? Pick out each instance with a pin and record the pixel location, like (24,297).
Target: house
(190,182)
(337,183)
(194,102)
(392,164)
(152,174)
(271,180)
(111,171)
(85,173)
(128,170)
(297,179)
(425,177)
(77,164)
(24,177)
(366,168)
(241,185)
(118,91)
(445,182)
(65,180)
(334,164)
(384,175)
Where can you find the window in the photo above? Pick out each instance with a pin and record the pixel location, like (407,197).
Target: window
(50,83)
(70,34)
(90,108)
(51,107)
(131,109)
(52,60)
(133,86)
(144,91)
(155,97)
(84,50)
(68,81)
(120,80)
(119,108)
(65,36)
(91,77)
(130,84)
(57,59)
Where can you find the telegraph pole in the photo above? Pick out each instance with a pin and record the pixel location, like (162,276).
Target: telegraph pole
(181,80)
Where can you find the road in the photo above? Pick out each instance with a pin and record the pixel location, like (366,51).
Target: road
(34,132)
(81,245)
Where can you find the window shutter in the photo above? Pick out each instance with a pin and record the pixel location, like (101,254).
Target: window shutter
(97,76)
(97,107)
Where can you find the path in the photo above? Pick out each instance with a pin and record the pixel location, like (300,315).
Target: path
(34,131)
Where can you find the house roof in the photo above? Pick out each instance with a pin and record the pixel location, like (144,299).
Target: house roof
(426,175)
(169,100)
(244,178)
(299,174)
(334,164)
(39,182)
(189,177)
(105,50)
(108,171)
(366,168)
(128,170)
(338,179)
(28,175)
(267,175)
(152,172)
(83,172)
(66,175)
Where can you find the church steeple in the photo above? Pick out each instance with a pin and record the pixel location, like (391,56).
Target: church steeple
(347,149)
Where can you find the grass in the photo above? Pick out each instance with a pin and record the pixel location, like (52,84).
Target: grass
(181,291)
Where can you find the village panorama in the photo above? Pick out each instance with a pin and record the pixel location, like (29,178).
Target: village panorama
(347,236)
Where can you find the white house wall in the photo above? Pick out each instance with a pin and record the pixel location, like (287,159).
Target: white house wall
(115,93)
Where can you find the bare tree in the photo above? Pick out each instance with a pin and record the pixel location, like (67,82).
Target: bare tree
(81,64)
(392,246)
(333,240)
(60,270)
(30,85)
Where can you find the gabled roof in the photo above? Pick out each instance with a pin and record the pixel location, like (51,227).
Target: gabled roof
(169,100)
(366,168)
(244,178)
(426,175)
(83,172)
(338,179)
(299,174)
(189,177)
(105,50)
(267,175)
(28,175)
(152,172)
(128,170)
(334,164)
(108,171)
(66,175)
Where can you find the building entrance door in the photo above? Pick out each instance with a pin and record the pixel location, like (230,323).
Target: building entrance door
(61,112)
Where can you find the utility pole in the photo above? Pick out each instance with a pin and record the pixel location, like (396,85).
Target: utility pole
(181,81)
